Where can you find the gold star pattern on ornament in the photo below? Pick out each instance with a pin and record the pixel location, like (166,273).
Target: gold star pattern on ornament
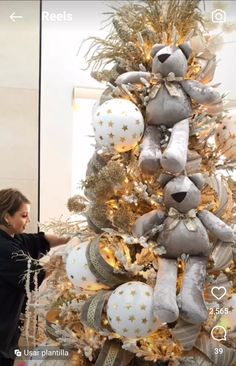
(149,330)
(125,127)
(143,307)
(132,318)
(144,320)
(83,278)
(110,124)
(122,139)
(98,113)
(115,306)
(112,144)
(137,331)
(125,330)
(147,293)
(128,306)
(133,293)
(120,292)
(109,111)
(134,135)
(111,135)
(118,319)
(137,122)
(100,123)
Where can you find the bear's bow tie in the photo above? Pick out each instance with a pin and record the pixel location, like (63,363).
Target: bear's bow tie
(187,218)
(157,80)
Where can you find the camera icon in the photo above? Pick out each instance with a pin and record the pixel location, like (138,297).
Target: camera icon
(17,353)
(218,16)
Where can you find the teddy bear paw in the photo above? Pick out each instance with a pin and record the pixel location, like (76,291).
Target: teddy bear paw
(172,162)
(149,165)
(194,312)
(166,314)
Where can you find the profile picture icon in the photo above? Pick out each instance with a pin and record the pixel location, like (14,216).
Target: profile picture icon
(218,16)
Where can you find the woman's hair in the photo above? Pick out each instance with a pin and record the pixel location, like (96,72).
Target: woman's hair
(10,202)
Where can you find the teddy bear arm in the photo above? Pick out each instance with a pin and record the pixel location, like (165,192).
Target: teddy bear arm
(132,77)
(216,226)
(147,221)
(201,93)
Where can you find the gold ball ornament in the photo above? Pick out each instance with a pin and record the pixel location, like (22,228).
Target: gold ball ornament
(78,271)
(225,135)
(130,310)
(118,125)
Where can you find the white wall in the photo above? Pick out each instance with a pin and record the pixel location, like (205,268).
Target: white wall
(61,72)
(19,79)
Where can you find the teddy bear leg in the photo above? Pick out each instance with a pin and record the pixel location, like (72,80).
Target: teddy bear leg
(165,306)
(149,159)
(192,306)
(174,157)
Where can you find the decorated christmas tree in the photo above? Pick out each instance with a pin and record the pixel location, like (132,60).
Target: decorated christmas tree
(147,278)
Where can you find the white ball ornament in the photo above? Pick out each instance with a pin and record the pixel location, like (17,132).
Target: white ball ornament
(225,136)
(118,124)
(78,271)
(130,310)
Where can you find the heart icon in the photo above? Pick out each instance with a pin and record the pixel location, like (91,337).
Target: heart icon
(218,292)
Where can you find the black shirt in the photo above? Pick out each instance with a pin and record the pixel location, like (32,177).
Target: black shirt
(12,283)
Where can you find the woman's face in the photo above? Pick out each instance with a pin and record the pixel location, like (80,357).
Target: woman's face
(18,222)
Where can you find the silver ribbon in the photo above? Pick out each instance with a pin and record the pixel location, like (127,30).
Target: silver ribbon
(157,80)
(187,218)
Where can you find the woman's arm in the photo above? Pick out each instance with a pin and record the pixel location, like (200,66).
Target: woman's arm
(55,240)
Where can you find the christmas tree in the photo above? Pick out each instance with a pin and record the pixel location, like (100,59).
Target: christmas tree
(147,277)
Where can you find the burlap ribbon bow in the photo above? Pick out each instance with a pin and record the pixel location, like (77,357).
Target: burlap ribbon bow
(157,80)
(187,218)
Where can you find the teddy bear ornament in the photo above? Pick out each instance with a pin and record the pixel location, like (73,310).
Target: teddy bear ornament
(169,105)
(185,231)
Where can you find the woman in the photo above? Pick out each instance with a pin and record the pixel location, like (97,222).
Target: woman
(14,217)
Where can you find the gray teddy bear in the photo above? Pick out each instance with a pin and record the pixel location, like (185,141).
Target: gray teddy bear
(169,105)
(185,231)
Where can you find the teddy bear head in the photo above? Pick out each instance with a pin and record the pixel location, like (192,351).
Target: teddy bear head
(168,59)
(183,192)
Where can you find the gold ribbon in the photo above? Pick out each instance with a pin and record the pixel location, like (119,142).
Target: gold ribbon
(100,268)
(91,313)
(112,354)
(187,218)
(157,80)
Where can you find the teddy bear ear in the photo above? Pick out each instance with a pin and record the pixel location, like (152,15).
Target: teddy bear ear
(157,47)
(198,180)
(164,178)
(186,49)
